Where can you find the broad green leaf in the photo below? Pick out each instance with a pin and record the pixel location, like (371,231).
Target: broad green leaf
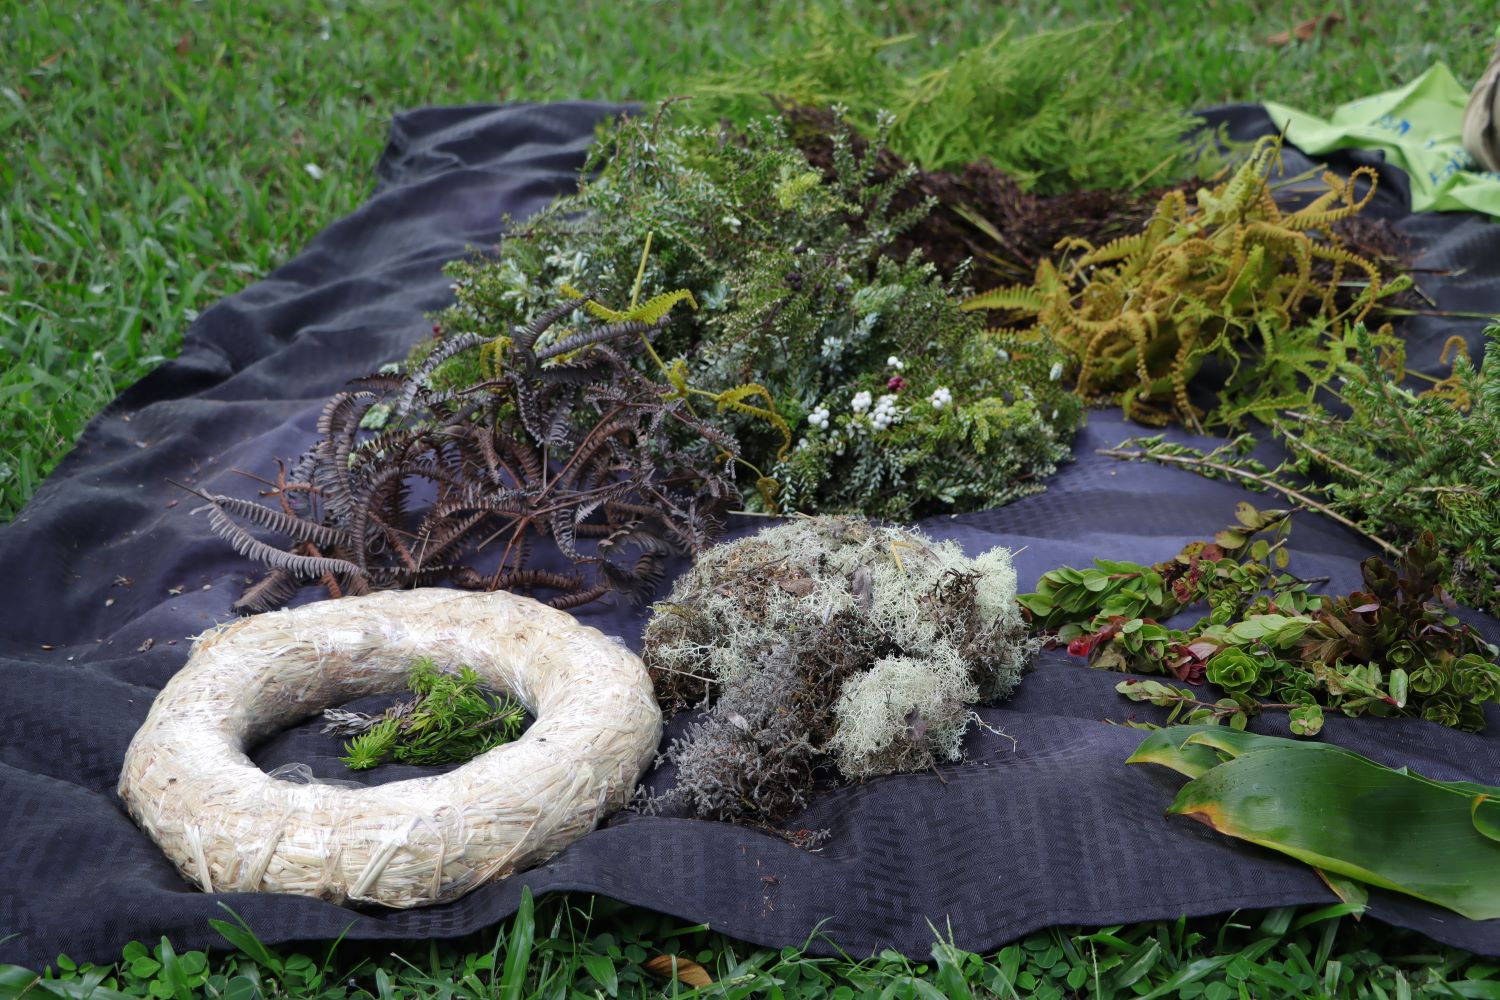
(1484,810)
(1169,748)
(1352,817)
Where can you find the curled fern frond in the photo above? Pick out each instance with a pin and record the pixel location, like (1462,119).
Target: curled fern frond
(734,399)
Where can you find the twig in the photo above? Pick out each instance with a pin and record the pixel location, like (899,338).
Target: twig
(1263,482)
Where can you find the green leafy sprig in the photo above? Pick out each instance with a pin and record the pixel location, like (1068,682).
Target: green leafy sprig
(1397,465)
(1392,648)
(451,719)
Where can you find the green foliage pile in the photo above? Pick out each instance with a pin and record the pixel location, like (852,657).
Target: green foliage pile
(450,720)
(1042,107)
(1393,648)
(1393,464)
(1232,276)
(897,402)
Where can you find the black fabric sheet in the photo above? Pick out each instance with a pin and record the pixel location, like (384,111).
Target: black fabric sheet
(107,577)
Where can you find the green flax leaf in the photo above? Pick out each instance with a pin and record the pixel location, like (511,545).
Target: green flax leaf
(1350,817)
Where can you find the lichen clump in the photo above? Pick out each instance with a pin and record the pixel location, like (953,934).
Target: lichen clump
(828,640)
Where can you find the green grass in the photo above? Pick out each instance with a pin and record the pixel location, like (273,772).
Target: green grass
(157,157)
(569,948)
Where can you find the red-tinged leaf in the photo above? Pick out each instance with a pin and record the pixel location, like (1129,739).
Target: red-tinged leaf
(1367,608)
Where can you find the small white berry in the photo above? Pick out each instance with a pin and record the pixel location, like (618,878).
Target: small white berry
(940,397)
(1056,372)
(861,402)
(894,362)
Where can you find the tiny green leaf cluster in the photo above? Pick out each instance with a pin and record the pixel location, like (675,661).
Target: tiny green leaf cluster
(452,719)
(1069,602)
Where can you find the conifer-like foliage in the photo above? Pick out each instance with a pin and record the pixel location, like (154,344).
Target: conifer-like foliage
(450,719)
(1041,107)
(1233,276)
(897,402)
(1391,463)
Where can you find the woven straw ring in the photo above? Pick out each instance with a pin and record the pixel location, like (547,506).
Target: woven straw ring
(228,826)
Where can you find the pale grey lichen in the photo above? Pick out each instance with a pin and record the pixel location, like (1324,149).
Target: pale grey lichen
(828,640)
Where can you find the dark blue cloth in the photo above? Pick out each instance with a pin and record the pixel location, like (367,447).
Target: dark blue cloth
(107,577)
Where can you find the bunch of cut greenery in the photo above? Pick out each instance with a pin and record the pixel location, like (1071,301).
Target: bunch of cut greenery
(1042,107)
(512,438)
(1392,464)
(450,719)
(896,402)
(1232,276)
(1393,648)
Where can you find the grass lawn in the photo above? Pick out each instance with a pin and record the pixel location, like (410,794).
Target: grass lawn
(157,157)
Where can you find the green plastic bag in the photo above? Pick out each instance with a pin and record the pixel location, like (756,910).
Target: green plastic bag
(1420,127)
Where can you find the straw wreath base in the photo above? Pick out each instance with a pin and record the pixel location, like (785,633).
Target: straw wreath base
(228,826)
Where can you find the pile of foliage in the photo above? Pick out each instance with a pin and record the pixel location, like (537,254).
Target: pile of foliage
(984,225)
(1395,465)
(827,641)
(512,440)
(1233,276)
(1393,648)
(1039,107)
(783,363)
(449,719)
(898,402)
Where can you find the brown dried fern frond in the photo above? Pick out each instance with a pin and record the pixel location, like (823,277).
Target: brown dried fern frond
(481,458)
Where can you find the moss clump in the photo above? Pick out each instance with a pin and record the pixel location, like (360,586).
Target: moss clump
(828,640)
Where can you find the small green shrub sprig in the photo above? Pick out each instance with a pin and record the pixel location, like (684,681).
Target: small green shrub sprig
(451,719)
(1393,466)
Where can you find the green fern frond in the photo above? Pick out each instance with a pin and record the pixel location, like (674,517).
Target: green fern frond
(734,399)
(649,311)
(1016,297)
